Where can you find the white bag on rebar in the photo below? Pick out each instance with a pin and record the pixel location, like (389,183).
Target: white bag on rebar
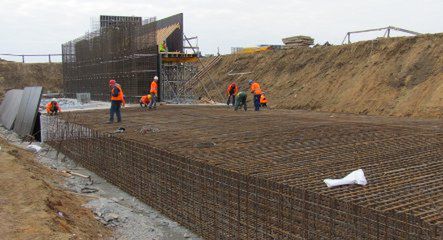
(355,177)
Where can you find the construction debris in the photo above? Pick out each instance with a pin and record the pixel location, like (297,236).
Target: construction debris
(76,174)
(120,130)
(34,148)
(297,41)
(89,190)
(146,129)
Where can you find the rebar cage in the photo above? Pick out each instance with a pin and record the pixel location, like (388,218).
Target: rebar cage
(122,49)
(218,202)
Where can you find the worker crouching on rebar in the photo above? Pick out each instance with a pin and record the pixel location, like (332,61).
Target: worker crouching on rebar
(231,92)
(52,108)
(241,101)
(116,101)
(154,91)
(145,100)
(256,91)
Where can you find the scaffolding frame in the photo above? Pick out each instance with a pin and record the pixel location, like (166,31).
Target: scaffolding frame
(175,76)
(386,34)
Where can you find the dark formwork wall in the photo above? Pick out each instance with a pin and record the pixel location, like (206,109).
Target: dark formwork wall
(175,40)
(125,51)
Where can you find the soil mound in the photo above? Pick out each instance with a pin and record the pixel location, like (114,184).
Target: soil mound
(395,77)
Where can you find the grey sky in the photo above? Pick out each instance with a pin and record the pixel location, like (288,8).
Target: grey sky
(41,26)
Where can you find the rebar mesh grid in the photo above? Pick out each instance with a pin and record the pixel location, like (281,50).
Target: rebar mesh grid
(125,51)
(262,178)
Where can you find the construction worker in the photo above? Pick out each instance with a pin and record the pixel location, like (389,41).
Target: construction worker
(256,91)
(154,92)
(163,47)
(231,92)
(144,100)
(263,100)
(116,101)
(52,108)
(241,101)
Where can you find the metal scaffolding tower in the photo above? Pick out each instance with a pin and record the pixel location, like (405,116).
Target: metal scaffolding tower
(176,70)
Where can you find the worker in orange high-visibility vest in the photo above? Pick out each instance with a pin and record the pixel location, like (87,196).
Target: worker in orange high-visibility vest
(263,100)
(52,108)
(231,92)
(117,100)
(154,92)
(145,100)
(256,91)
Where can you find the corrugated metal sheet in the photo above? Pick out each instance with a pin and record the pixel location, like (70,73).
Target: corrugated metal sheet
(27,112)
(9,107)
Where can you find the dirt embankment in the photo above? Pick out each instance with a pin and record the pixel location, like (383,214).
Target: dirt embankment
(33,207)
(395,77)
(19,75)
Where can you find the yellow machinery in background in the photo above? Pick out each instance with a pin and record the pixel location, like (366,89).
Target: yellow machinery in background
(253,50)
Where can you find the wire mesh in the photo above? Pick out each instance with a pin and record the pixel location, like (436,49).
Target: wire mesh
(221,193)
(124,50)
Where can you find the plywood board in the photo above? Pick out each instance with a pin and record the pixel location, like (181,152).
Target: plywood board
(9,107)
(27,113)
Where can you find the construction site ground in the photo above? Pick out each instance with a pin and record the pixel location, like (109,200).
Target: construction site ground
(402,158)
(39,200)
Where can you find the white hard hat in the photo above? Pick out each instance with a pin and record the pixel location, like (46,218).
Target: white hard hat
(54,100)
(155,78)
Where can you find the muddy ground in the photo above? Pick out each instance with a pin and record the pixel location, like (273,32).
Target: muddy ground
(34,207)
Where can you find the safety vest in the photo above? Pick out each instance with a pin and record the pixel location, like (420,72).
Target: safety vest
(232,89)
(51,107)
(263,99)
(120,94)
(154,88)
(255,89)
(145,99)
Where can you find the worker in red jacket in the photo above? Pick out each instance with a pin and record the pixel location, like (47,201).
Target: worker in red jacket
(52,108)
(154,92)
(231,92)
(117,100)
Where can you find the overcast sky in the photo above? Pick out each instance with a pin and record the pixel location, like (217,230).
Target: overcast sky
(41,26)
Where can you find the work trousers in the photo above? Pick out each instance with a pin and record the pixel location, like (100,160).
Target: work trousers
(257,101)
(240,104)
(231,98)
(53,111)
(115,109)
(153,101)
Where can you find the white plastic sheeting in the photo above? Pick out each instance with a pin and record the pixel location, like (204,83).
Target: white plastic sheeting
(355,177)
